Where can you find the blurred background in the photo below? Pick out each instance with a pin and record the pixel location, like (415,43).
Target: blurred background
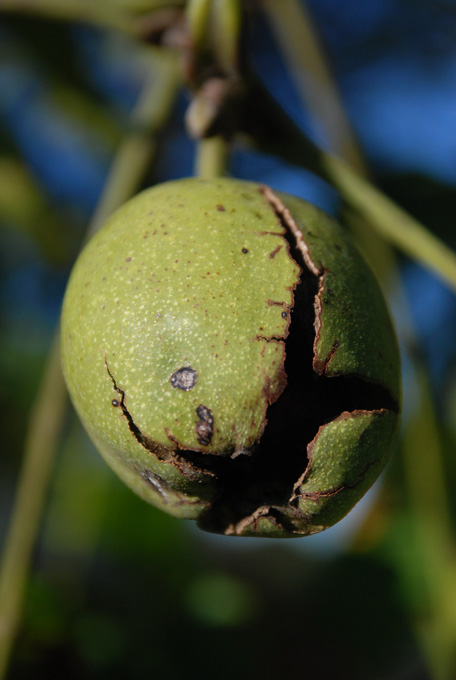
(117,589)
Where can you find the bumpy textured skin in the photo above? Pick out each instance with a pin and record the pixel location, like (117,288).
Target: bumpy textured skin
(174,331)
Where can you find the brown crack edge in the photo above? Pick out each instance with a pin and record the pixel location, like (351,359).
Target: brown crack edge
(251,522)
(284,215)
(238,528)
(277,207)
(310,447)
(162,453)
(170,455)
(320,366)
(282,211)
(287,222)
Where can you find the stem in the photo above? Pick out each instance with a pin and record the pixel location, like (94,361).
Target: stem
(197,15)
(225,28)
(45,425)
(214,30)
(212,157)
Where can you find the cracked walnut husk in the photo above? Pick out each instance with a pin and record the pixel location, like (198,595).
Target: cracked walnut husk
(232,357)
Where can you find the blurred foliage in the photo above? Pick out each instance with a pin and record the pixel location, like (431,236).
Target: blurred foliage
(118,589)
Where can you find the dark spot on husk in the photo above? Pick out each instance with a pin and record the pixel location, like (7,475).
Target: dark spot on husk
(205,426)
(245,251)
(158,449)
(115,403)
(221,207)
(184,379)
(176,457)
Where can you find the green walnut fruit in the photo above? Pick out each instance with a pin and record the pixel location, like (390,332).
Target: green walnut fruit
(231,356)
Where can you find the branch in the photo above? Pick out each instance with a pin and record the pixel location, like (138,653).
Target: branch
(104,14)
(43,433)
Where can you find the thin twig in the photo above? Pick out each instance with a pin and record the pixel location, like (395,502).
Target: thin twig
(214,27)
(432,533)
(391,221)
(40,447)
(212,157)
(44,429)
